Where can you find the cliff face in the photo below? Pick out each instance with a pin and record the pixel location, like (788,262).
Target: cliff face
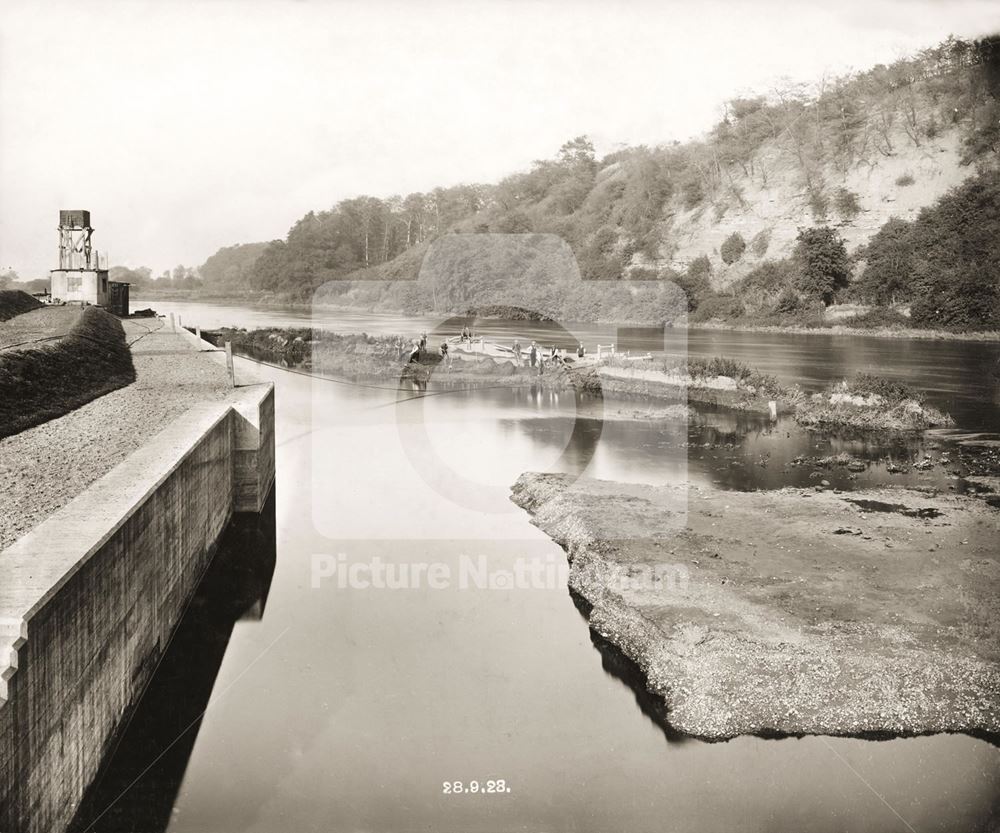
(773,207)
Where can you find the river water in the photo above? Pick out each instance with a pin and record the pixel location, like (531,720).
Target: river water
(328,707)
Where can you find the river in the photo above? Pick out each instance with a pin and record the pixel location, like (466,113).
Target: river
(330,707)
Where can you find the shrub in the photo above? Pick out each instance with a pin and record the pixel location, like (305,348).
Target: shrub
(961,299)
(701,266)
(787,302)
(733,248)
(761,240)
(905,180)
(888,273)
(769,278)
(706,368)
(893,393)
(721,307)
(846,203)
(692,192)
(823,263)
(956,246)
(643,273)
(819,204)
(696,288)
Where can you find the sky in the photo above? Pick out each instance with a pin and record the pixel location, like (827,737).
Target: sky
(187,126)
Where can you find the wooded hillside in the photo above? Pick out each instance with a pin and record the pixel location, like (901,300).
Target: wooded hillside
(794,194)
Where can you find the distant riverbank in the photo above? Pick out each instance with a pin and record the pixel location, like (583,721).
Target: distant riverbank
(495,313)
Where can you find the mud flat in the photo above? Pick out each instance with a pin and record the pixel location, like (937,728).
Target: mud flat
(789,612)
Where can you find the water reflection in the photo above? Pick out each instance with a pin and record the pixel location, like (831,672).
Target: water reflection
(138,787)
(374,697)
(740,451)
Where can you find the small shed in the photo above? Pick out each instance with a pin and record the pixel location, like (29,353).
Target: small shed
(118,298)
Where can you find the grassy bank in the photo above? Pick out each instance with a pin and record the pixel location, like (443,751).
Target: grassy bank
(75,363)
(14,302)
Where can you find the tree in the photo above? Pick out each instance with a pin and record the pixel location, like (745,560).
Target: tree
(888,273)
(846,203)
(413,218)
(230,267)
(139,277)
(822,261)
(956,247)
(647,188)
(578,153)
(732,248)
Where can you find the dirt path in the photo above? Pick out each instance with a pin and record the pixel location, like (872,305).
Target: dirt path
(45,467)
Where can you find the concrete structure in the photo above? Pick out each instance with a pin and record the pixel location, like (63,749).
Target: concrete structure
(82,274)
(90,597)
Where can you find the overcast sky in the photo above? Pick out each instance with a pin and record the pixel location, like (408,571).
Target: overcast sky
(186,126)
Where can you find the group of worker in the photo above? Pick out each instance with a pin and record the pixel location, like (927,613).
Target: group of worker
(537,356)
(534,356)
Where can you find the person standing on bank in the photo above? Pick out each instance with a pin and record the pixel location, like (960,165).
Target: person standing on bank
(517,352)
(533,354)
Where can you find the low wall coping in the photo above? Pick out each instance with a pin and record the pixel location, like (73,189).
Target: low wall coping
(39,563)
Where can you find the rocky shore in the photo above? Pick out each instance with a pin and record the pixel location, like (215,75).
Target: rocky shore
(789,612)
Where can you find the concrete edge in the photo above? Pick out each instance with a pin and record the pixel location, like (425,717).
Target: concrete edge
(95,514)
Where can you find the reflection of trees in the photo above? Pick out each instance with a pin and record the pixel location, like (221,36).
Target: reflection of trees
(138,784)
(583,434)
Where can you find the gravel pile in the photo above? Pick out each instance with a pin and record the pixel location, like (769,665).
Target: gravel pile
(45,467)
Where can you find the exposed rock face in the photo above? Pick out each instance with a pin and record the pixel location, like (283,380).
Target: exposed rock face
(754,613)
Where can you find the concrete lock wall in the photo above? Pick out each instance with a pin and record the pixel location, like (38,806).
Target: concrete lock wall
(90,597)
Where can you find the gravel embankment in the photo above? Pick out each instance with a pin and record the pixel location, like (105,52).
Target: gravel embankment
(789,612)
(45,467)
